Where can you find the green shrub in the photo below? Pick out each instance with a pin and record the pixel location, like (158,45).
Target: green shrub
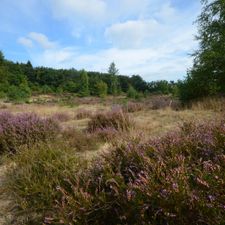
(35,180)
(18,93)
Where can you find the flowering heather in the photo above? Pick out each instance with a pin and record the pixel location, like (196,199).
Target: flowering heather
(24,129)
(179,179)
(115,119)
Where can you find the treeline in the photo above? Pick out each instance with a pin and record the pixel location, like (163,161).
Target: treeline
(19,81)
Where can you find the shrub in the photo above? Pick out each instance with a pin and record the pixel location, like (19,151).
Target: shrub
(178,179)
(34,180)
(114,119)
(160,102)
(132,93)
(80,141)
(133,107)
(19,93)
(61,117)
(24,129)
(83,114)
(101,89)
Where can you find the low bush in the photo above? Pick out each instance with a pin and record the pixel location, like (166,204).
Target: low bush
(177,179)
(80,141)
(131,107)
(115,119)
(35,177)
(24,129)
(61,117)
(160,102)
(83,114)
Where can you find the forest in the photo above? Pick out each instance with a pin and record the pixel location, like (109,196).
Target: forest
(19,81)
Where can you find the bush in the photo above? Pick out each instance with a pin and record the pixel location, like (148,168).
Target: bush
(80,141)
(24,129)
(61,117)
(34,180)
(83,114)
(115,119)
(19,93)
(132,93)
(133,107)
(101,89)
(178,179)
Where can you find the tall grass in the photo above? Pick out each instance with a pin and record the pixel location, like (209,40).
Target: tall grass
(116,120)
(216,104)
(177,179)
(35,178)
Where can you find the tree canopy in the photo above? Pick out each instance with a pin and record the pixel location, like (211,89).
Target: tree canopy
(207,75)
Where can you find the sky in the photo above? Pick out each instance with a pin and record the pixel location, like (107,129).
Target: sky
(151,38)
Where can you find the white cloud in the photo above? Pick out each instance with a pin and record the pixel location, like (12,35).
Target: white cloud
(132,33)
(25,42)
(71,9)
(37,38)
(150,37)
(42,40)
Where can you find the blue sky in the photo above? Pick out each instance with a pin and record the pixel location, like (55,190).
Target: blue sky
(152,38)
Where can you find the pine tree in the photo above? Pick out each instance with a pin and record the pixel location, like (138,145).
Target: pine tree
(84,84)
(101,88)
(113,71)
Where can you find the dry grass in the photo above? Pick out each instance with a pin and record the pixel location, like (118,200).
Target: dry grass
(150,122)
(215,104)
(159,122)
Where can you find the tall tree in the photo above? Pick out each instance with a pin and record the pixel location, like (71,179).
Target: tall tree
(207,76)
(113,71)
(84,84)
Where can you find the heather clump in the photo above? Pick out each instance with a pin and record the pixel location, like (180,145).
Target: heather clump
(79,140)
(83,114)
(115,119)
(131,107)
(61,117)
(24,129)
(178,179)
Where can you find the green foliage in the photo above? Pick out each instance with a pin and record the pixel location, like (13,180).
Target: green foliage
(101,89)
(132,93)
(113,72)
(18,93)
(40,171)
(2,58)
(207,76)
(84,84)
(42,80)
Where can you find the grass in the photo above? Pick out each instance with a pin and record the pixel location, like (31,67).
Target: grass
(141,166)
